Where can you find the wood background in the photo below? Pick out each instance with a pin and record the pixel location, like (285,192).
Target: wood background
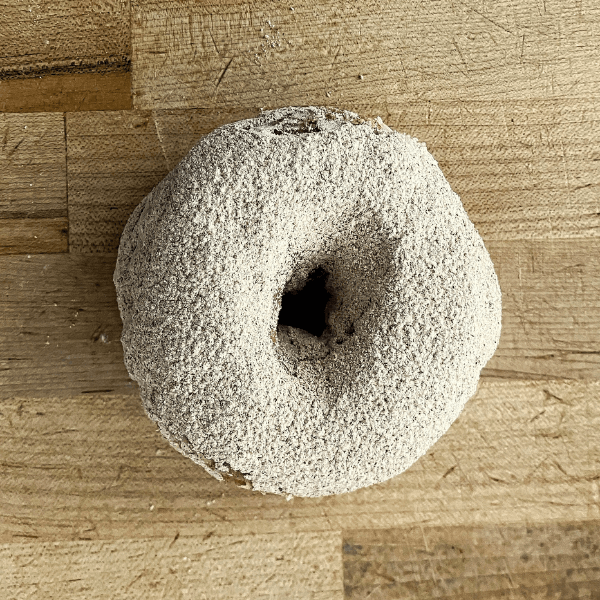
(99,101)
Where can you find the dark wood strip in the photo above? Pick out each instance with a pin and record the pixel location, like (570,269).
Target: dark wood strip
(67,92)
(553,560)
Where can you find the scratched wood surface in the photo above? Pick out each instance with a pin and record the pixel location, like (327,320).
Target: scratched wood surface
(33,183)
(87,477)
(60,329)
(522,562)
(231,53)
(285,565)
(66,91)
(110,95)
(59,56)
(43,38)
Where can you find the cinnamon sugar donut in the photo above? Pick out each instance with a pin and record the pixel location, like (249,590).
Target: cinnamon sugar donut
(306,305)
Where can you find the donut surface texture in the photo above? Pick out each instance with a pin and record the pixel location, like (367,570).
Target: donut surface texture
(259,210)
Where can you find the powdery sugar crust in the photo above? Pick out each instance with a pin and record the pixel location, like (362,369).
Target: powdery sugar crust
(246,215)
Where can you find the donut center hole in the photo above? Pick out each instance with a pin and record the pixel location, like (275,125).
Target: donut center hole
(305,308)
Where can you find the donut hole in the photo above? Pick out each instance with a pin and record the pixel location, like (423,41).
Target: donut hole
(304,324)
(306,308)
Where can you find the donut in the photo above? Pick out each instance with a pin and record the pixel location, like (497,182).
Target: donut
(306,305)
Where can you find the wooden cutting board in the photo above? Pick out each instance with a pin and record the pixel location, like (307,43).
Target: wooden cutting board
(100,101)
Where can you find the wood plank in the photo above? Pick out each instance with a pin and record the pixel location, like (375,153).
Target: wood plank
(42,38)
(94,467)
(523,170)
(33,235)
(67,92)
(60,327)
(33,190)
(187,54)
(558,560)
(305,566)
(550,309)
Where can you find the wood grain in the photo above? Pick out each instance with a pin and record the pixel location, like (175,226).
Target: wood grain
(550,309)
(188,55)
(94,503)
(33,187)
(67,92)
(40,38)
(560,560)
(60,327)
(33,235)
(94,467)
(304,566)
(523,170)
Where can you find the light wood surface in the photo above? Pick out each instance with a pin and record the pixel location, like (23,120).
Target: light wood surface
(257,567)
(44,38)
(231,53)
(33,183)
(58,56)
(94,503)
(99,479)
(525,562)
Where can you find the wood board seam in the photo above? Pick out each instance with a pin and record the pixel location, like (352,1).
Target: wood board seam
(114,64)
(67,180)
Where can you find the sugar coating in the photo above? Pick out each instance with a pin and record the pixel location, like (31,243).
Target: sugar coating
(253,208)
